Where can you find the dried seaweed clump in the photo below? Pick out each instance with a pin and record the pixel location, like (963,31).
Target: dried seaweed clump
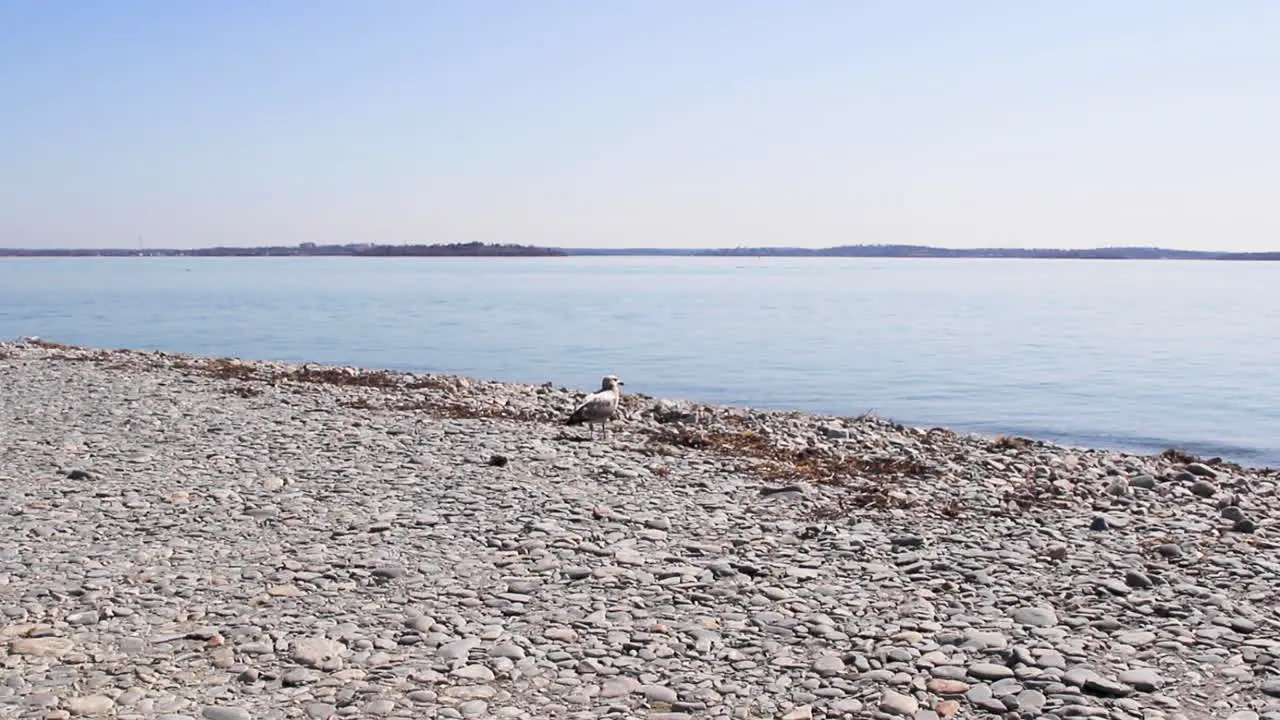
(1040,493)
(360,404)
(80,354)
(745,443)
(1006,442)
(244,391)
(1178,456)
(225,369)
(444,401)
(457,410)
(50,344)
(864,482)
(861,497)
(781,464)
(346,378)
(232,369)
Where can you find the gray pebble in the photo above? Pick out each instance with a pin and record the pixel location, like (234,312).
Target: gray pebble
(896,703)
(659,693)
(1142,679)
(1035,616)
(990,671)
(225,713)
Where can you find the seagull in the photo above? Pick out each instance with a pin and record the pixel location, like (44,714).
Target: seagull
(599,407)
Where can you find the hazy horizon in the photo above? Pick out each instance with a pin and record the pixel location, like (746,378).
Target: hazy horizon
(657,124)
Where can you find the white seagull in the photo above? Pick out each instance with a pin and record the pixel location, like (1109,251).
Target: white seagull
(599,407)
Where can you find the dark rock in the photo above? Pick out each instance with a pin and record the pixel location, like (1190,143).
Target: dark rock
(388,572)
(498,460)
(1202,470)
(1243,625)
(1106,687)
(1133,578)
(835,432)
(78,474)
(262,513)
(1244,525)
(1099,524)
(797,489)
(1093,683)
(1203,488)
(1145,482)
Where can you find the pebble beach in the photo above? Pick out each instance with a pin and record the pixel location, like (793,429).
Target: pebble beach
(191,537)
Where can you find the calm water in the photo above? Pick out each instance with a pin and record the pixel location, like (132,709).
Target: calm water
(1131,355)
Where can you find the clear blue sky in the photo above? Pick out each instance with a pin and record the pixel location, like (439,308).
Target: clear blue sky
(641,123)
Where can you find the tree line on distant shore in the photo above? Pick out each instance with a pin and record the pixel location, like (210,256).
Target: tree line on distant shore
(459,250)
(474,249)
(1104,253)
(925,251)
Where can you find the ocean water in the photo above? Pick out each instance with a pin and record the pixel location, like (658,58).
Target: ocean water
(1132,355)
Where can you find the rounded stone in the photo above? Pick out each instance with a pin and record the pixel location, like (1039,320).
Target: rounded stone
(1035,616)
(990,671)
(893,702)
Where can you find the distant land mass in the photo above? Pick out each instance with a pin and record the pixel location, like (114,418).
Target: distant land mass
(925,251)
(486,250)
(305,250)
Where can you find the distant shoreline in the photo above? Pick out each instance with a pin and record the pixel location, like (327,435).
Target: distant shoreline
(525,251)
(303,250)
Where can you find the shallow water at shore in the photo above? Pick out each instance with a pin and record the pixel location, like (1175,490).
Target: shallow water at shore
(1133,355)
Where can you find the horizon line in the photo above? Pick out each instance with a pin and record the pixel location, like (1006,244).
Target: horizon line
(305,249)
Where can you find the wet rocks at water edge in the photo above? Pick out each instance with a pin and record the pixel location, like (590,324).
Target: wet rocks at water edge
(211,538)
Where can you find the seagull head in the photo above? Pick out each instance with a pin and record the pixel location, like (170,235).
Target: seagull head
(611,382)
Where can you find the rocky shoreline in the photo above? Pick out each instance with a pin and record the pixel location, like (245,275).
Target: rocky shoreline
(191,537)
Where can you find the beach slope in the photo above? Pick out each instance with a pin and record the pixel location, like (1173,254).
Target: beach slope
(222,539)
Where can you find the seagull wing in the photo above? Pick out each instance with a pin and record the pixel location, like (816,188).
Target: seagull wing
(596,407)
